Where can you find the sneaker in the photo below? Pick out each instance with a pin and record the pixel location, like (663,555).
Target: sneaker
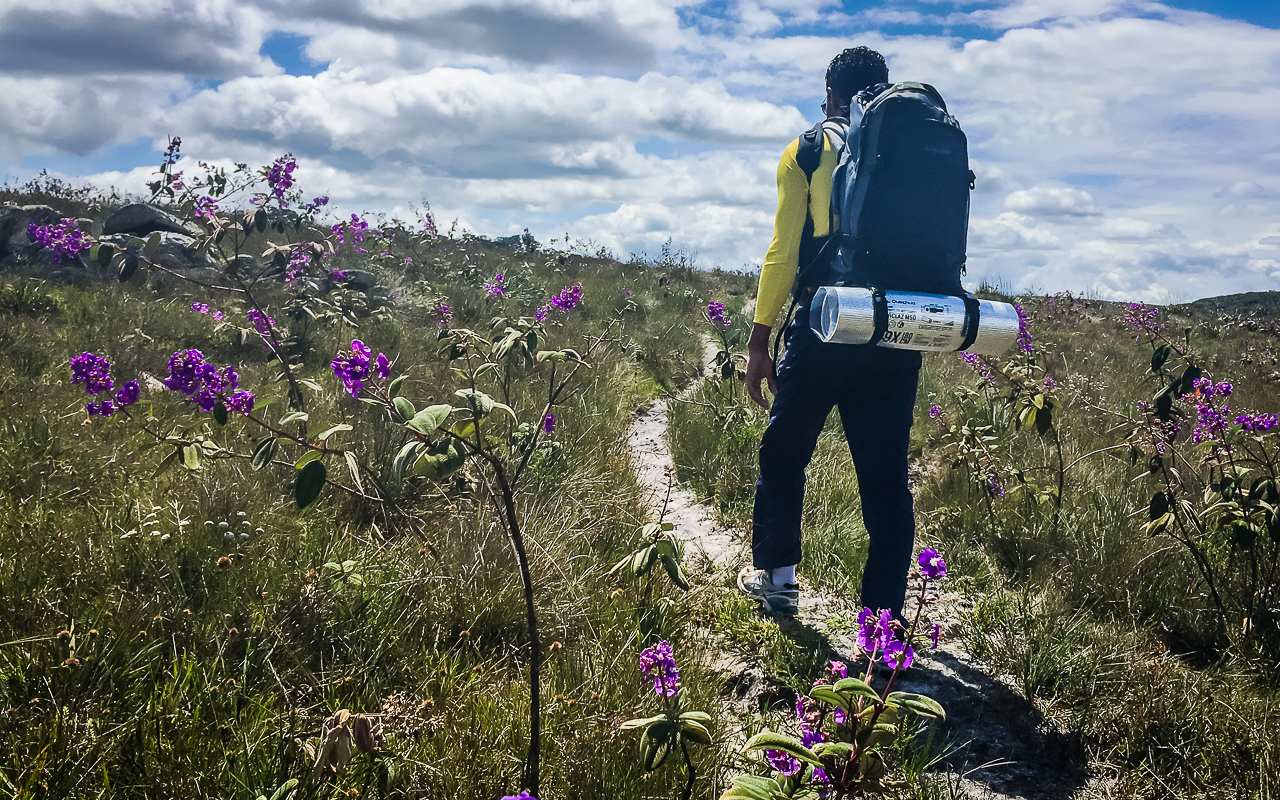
(781,600)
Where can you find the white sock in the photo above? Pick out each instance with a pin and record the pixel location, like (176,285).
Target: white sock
(781,576)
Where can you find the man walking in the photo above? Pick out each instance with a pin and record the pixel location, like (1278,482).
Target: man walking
(874,388)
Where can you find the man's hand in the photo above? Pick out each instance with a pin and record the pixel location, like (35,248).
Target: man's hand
(760,365)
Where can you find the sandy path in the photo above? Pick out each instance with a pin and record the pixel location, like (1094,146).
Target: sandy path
(998,745)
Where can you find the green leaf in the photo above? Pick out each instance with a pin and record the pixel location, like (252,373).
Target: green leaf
(167,461)
(479,402)
(1159,506)
(286,787)
(1189,377)
(1160,357)
(644,560)
(920,704)
(504,407)
(674,572)
(307,458)
(827,695)
(310,482)
(191,456)
(220,414)
(697,716)
(339,428)
(695,731)
(768,740)
(407,455)
(463,428)
(403,407)
(856,686)
(632,724)
(128,266)
(428,420)
(666,547)
(752,787)
(152,246)
(842,751)
(656,744)
(264,453)
(105,253)
(532,340)
(260,221)
(1044,421)
(396,385)
(294,416)
(550,355)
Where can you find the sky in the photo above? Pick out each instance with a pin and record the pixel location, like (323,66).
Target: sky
(1125,149)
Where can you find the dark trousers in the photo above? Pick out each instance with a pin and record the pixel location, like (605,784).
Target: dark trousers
(875,390)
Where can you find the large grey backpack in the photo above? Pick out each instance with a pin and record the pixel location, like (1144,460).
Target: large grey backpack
(899,199)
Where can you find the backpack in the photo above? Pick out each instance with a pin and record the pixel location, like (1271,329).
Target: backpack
(899,200)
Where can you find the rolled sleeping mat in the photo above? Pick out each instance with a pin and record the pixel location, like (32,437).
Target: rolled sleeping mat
(912,320)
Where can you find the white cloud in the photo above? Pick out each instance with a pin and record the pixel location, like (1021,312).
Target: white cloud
(1051,201)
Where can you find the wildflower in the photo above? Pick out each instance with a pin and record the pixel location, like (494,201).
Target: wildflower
(874,631)
(541,314)
(715,313)
(104,409)
(1048,384)
(65,239)
(626,292)
(352,367)
(931,564)
(1257,423)
(658,665)
(524,795)
(280,177)
(935,411)
(205,207)
(898,655)
(498,287)
(782,762)
(1143,318)
(980,366)
(202,308)
(296,269)
(1024,330)
(316,204)
(338,275)
(568,298)
(549,423)
(93,371)
(934,633)
(191,375)
(1223,389)
(382,366)
(128,394)
(446,314)
(994,486)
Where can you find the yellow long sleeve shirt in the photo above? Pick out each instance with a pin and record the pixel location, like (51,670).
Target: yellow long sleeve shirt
(797,199)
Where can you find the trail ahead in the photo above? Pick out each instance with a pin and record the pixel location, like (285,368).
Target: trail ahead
(994,742)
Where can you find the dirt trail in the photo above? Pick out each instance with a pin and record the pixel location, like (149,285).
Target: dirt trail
(993,738)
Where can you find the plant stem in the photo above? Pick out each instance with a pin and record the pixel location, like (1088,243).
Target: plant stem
(693,773)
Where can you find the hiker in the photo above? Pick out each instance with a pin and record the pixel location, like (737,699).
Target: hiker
(874,387)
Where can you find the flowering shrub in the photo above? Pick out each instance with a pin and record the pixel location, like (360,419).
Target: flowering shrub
(65,239)
(672,727)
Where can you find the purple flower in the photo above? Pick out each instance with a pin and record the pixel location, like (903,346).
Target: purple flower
(568,298)
(898,655)
(261,322)
(382,366)
(206,385)
(1024,330)
(64,238)
(626,292)
(1049,384)
(355,229)
(1143,318)
(549,423)
(715,313)
(782,762)
(217,315)
(338,275)
(1223,389)
(1257,423)
(498,287)
(524,795)
(352,367)
(874,630)
(935,411)
(980,366)
(934,632)
(203,308)
(314,205)
(931,564)
(205,207)
(658,665)
(446,314)
(280,177)
(93,371)
(103,409)
(994,486)
(838,669)
(128,394)
(541,314)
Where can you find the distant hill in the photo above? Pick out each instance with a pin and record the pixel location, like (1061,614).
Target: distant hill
(1258,304)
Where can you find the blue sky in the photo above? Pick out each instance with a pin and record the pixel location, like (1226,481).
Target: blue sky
(1124,147)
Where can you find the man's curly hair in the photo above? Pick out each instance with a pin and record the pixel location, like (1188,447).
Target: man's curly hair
(856,69)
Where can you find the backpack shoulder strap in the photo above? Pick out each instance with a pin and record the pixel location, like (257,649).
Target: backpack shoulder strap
(809,153)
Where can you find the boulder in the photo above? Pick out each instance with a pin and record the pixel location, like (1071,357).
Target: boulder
(143,219)
(176,252)
(13,228)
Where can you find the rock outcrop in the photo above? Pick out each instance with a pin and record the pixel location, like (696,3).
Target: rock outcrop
(143,219)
